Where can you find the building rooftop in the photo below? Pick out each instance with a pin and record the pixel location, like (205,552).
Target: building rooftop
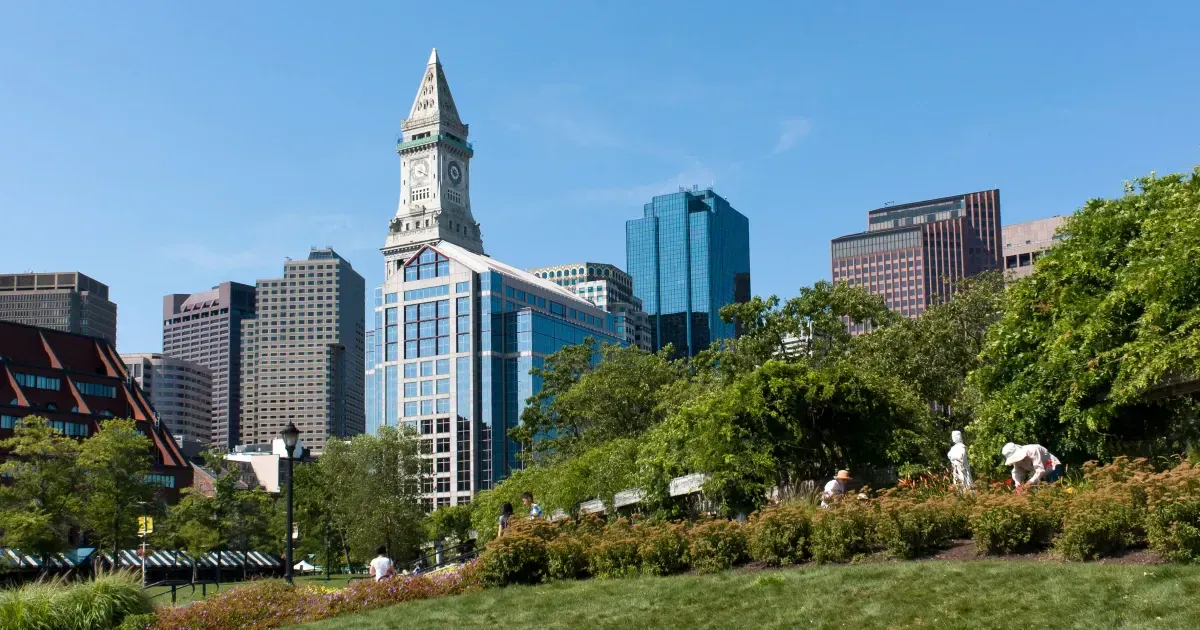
(481,264)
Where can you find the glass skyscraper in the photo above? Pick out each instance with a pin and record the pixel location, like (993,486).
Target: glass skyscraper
(689,255)
(457,336)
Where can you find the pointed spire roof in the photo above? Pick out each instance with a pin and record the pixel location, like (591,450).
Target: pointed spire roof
(433,95)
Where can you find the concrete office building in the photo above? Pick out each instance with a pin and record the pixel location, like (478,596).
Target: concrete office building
(608,287)
(66,301)
(1025,242)
(303,353)
(76,382)
(456,332)
(913,254)
(181,393)
(689,255)
(205,328)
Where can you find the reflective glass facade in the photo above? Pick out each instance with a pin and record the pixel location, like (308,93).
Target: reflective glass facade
(689,255)
(460,374)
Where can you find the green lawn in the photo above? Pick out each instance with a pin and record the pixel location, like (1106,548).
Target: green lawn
(184,594)
(933,594)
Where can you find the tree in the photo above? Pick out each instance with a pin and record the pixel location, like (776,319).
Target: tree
(450,522)
(321,532)
(375,483)
(583,403)
(1097,352)
(114,464)
(779,425)
(39,507)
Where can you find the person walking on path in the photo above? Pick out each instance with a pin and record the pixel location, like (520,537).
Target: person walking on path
(381,566)
(835,488)
(535,510)
(506,512)
(1031,465)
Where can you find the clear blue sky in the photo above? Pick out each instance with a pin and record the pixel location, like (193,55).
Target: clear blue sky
(167,146)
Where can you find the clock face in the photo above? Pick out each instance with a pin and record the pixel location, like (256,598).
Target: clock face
(454,172)
(420,171)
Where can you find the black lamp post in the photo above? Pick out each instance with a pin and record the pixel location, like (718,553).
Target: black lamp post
(291,435)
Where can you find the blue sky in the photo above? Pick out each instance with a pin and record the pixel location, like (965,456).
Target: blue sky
(165,147)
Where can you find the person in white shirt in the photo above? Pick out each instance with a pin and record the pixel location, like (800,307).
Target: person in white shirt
(835,488)
(535,510)
(959,463)
(1031,465)
(381,566)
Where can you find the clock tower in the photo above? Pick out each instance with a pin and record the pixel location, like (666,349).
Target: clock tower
(435,181)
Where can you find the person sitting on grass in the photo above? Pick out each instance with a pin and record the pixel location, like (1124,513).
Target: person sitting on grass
(535,510)
(381,566)
(1031,464)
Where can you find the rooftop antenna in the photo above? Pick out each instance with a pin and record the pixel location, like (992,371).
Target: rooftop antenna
(890,203)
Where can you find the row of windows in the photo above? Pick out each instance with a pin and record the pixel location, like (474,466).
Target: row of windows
(95,389)
(426,407)
(162,481)
(37,381)
(426,388)
(427,292)
(73,429)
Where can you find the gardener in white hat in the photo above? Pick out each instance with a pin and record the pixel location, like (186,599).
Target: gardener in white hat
(836,487)
(1031,464)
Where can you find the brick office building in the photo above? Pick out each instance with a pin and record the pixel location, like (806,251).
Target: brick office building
(77,382)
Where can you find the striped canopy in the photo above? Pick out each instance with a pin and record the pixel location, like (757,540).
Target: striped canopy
(181,559)
(16,560)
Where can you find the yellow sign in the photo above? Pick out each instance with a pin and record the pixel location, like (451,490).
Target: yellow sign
(145,525)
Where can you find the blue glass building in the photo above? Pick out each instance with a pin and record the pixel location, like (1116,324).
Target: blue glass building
(689,255)
(457,336)
(374,380)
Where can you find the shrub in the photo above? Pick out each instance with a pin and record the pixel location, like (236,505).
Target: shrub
(663,549)
(1173,529)
(841,534)
(100,604)
(780,535)
(717,546)
(1097,527)
(567,558)
(517,557)
(137,622)
(1012,525)
(909,530)
(614,555)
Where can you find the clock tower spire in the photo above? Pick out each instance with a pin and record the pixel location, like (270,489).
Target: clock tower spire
(435,158)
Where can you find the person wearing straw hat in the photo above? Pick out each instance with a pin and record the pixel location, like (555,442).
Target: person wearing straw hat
(1031,464)
(836,487)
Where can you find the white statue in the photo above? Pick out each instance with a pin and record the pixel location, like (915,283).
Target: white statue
(958,461)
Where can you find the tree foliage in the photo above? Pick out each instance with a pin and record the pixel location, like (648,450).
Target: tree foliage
(40,504)
(1090,347)
(114,464)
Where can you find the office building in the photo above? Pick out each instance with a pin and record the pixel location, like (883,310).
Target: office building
(435,175)
(374,377)
(914,254)
(205,328)
(608,287)
(77,382)
(180,392)
(1025,242)
(66,301)
(461,333)
(303,353)
(689,255)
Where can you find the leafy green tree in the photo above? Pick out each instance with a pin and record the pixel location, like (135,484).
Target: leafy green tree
(587,400)
(376,484)
(114,464)
(1097,352)
(451,523)
(321,532)
(41,502)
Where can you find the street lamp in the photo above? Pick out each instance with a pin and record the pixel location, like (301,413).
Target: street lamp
(290,435)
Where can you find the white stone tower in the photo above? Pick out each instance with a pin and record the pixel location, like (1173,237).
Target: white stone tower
(435,175)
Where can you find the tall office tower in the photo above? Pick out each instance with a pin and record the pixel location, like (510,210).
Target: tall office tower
(913,254)
(66,301)
(1025,242)
(78,382)
(181,392)
(206,328)
(303,353)
(374,377)
(689,255)
(461,333)
(609,288)
(435,169)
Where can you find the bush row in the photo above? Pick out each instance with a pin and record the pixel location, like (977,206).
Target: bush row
(1124,505)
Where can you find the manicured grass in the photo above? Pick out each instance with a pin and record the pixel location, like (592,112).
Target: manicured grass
(932,594)
(184,595)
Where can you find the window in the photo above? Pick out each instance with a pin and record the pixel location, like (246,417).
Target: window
(40,382)
(410,409)
(462,287)
(426,426)
(442,465)
(443,405)
(426,388)
(443,366)
(462,305)
(426,368)
(443,485)
(162,481)
(464,342)
(430,264)
(443,445)
(443,425)
(427,292)
(410,370)
(410,390)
